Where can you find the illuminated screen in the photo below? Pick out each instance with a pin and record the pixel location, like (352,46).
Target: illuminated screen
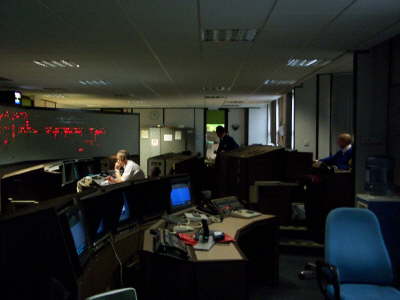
(180,196)
(62,134)
(78,231)
(125,213)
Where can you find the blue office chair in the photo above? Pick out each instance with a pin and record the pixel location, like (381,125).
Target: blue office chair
(357,264)
(122,294)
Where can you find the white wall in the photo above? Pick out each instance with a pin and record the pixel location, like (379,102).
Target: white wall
(237,116)
(305,116)
(258,126)
(150,117)
(179,117)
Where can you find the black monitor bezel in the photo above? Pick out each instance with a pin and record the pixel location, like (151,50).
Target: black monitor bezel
(177,179)
(78,261)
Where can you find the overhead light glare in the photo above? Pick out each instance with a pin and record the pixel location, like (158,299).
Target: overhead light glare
(56,64)
(273,82)
(94,82)
(305,63)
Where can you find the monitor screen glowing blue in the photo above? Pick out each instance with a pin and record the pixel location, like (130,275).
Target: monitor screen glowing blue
(180,196)
(125,213)
(78,232)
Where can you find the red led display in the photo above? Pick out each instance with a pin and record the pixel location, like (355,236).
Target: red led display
(16,124)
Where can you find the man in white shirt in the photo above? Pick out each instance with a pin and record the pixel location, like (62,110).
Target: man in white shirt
(125,169)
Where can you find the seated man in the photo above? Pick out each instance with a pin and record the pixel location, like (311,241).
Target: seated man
(227,143)
(125,169)
(342,159)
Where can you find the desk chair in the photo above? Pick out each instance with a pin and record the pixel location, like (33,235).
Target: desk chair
(122,294)
(357,264)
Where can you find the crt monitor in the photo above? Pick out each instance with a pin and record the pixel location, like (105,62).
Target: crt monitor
(121,212)
(69,173)
(78,231)
(126,215)
(180,196)
(149,199)
(75,231)
(97,207)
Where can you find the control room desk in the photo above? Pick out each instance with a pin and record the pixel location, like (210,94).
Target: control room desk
(221,273)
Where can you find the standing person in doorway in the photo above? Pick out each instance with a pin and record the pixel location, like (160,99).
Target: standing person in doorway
(227,143)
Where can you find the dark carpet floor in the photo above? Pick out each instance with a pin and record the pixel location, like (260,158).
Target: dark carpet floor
(290,287)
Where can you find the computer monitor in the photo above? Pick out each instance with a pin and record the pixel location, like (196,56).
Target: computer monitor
(76,234)
(127,218)
(125,212)
(70,173)
(77,227)
(96,208)
(33,250)
(151,199)
(180,196)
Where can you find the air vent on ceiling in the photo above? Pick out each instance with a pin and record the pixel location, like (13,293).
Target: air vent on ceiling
(214,97)
(4,79)
(228,35)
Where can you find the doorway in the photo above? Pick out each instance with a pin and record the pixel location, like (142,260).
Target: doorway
(214,118)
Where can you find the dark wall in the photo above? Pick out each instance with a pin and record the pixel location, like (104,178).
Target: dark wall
(377,90)
(394,106)
(342,107)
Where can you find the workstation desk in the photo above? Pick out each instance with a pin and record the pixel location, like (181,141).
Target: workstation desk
(224,271)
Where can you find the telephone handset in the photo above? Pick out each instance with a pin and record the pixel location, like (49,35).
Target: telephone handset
(167,243)
(221,206)
(209,207)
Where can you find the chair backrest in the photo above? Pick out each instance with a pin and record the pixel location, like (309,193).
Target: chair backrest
(354,244)
(122,294)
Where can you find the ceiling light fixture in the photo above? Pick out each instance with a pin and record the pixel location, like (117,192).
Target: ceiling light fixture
(94,82)
(279,82)
(301,62)
(228,35)
(56,64)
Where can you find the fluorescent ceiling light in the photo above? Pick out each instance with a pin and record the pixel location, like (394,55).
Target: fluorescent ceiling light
(56,64)
(279,82)
(228,35)
(94,82)
(302,62)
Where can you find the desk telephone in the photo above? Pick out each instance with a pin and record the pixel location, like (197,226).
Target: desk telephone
(231,206)
(217,206)
(167,243)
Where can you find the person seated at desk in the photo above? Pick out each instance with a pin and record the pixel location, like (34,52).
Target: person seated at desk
(227,143)
(125,169)
(342,159)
